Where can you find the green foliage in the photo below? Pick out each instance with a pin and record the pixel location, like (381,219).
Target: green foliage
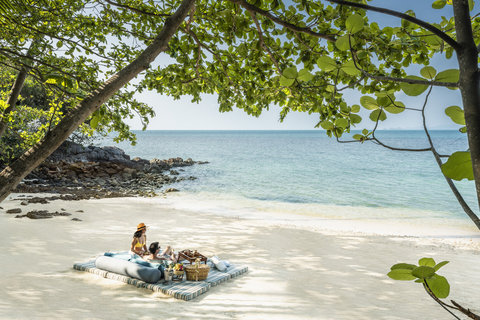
(439,4)
(354,23)
(456,114)
(424,273)
(413,89)
(450,75)
(250,64)
(459,166)
(326,63)
(368,103)
(428,72)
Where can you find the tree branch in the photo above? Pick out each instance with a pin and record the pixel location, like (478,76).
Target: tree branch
(281,22)
(136,10)
(465,311)
(395,79)
(403,16)
(440,302)
(466,208)
(262,42)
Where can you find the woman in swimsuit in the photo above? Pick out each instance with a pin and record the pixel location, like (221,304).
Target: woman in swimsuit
(139,242)
(167,255)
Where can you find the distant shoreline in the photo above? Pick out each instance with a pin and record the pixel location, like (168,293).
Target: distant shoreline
(278,130)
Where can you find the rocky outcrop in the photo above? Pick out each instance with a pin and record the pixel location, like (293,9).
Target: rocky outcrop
(99,172)
(43,214)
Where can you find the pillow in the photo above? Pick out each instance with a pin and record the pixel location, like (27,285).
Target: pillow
(118,255)
(127,268)
(219,264)
(140,261)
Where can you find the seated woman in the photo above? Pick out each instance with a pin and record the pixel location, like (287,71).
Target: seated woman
(167,255)
(139,242)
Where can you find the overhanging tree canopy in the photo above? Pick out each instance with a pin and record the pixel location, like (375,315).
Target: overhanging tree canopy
(301,56)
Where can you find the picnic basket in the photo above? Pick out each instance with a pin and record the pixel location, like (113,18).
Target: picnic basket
(197,271)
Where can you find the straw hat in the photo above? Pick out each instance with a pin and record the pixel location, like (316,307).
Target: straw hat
(141,226)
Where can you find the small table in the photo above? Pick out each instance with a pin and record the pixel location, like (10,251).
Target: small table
(191,256)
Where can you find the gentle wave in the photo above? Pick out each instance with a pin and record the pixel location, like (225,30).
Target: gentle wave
(314,216)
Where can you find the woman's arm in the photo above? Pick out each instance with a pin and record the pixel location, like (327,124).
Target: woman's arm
(134,242)
(145,245)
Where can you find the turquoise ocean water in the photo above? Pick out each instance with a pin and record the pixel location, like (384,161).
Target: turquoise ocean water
(307,171)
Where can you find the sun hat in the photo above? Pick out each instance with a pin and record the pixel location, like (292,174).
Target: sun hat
(141,226)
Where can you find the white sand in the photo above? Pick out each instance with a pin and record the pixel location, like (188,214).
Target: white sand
(296,272)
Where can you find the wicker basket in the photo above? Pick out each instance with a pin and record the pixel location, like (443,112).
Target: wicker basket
(197,272)
(178,272)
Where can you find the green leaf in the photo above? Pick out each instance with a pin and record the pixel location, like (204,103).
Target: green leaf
(449,75)
(355,118)
(327,125)
(94,121)
(343,44)
(471,4)
(413,89)
(350,68)
(429,262)
(401,274)
(326,63)
(423,272)
(378,114)
(428,72)
(439,286)
(397,108)
(341,123)
(365,131)
(368,103)
(304,75)
(354,23)
(458,166)
(456,114)
(463,129)
(286,82)
(439,265)
(403,266)
(59,44)
(355,108)
(290,73)
(357,136)
(439,4)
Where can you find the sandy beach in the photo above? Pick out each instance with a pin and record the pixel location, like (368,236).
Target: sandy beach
(295,272)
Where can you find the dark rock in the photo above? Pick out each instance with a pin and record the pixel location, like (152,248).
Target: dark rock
(171,190)
(78,172)
(15,210)
(76,219)
(24,203)
(79,211)
(38,200)
(61,214)
(20,216)
(63,209)
(39,214)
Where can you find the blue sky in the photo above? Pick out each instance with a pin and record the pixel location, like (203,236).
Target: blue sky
(184,115)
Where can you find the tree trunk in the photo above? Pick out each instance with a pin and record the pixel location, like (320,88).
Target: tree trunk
(11,176)
(469,84)
(16,89)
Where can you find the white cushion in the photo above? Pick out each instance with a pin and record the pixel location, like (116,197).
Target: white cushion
(219,264)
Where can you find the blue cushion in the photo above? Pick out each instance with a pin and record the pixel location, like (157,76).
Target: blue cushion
(118,255)
(127,268)
(140,261)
